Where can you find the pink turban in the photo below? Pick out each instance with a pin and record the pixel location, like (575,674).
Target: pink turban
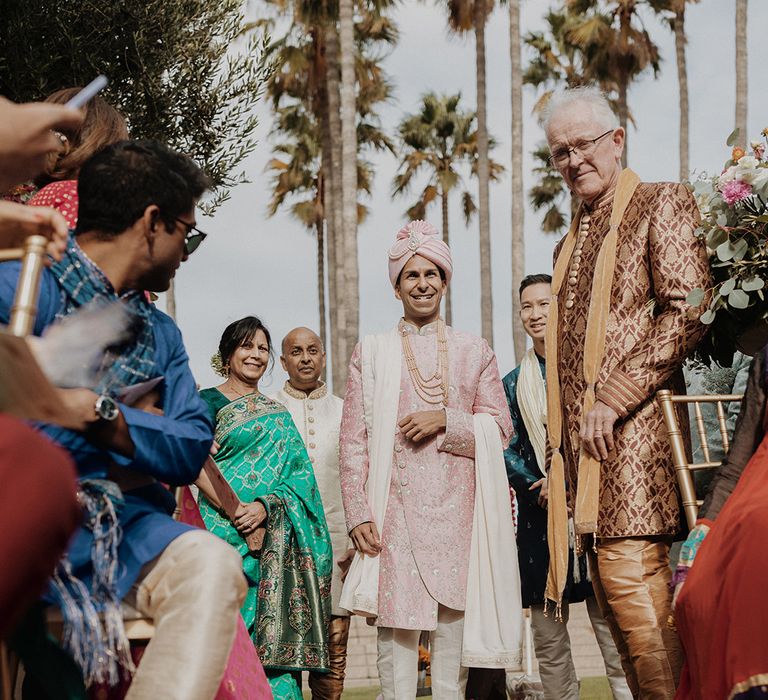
(419,238)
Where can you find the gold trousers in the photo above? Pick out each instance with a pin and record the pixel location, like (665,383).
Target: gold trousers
(630,576)
(328,686)
(192,592)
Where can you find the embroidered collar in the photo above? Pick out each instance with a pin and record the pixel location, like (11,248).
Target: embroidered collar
(293,392)
(602,202)
(405,327)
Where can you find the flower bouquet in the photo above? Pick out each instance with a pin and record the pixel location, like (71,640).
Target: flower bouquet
(734,225)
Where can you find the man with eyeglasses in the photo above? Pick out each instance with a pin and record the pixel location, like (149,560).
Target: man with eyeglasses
(135,222)
(619,329)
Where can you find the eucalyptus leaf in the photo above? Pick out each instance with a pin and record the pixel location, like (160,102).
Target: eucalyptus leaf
(727,287)
(695,297)
(707,317)
(738,299)
(753,284)
(716,237)
(733,137)
(725,251)
(740,249)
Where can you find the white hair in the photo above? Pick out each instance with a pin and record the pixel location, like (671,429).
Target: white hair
(586,94)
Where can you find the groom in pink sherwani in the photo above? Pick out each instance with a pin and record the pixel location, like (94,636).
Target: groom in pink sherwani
(408,480)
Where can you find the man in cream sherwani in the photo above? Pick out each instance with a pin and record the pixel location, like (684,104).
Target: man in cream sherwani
(425,495)
(317,415)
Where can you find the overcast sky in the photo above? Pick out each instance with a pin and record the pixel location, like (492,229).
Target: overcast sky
(251,264)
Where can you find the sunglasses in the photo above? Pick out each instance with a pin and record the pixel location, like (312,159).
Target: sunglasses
(192,241)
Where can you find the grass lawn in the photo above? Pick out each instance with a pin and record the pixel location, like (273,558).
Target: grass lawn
(591,689)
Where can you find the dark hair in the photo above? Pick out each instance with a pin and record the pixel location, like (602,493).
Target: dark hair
(119,182)
(439,269)
(102,125)
(239,332)
(530,280)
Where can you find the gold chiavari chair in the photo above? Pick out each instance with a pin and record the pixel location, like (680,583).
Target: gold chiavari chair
(685,468)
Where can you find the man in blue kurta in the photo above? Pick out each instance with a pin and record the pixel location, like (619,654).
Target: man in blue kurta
(526,396)
(136,222)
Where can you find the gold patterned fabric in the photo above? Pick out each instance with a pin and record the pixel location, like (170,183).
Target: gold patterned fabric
(650,330)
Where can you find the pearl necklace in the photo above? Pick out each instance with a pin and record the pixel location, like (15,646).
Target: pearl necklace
(433,390)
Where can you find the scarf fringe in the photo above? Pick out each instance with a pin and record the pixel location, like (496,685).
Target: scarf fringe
(97,643)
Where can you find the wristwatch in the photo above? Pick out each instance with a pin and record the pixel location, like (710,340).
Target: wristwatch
(106,408)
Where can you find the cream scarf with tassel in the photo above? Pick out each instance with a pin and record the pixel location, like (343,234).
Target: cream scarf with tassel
(588,489)
(531,395)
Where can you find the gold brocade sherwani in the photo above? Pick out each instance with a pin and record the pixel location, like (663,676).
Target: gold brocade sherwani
(650,331)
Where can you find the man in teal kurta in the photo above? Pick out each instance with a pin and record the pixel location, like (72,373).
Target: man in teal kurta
(526,396)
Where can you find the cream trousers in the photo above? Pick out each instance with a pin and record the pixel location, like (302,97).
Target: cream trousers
(399,659)
(553,651)
(192,592)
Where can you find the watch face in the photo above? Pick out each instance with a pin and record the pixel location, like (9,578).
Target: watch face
(107,408)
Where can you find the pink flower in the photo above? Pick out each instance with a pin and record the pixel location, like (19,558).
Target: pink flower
(735,190)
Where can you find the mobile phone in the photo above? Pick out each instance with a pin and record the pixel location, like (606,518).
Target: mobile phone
(88,92)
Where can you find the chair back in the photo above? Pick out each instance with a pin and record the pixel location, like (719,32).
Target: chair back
(684,468)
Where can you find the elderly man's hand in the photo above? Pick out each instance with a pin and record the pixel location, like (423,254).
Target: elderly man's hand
(27,137)
(597,430)
(17,221)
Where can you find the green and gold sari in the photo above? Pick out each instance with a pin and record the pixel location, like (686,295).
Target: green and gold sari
(287,608)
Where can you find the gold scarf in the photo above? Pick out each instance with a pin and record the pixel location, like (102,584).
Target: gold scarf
(588,489)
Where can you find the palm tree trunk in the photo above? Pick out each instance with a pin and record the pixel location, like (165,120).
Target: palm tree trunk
(170,300)
(682,80)
(444,208)
(624,116)
(518,212)
(336,256)
(486,283)
(741,72)
(319,223)
(349,174)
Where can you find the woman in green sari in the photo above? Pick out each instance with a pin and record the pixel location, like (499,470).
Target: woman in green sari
(262,456)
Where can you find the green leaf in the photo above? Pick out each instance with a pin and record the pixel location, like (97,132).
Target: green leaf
(695,297)
(740,249)
(707,317)
(753,284)
(738,299)
(715,237)
(733,138)
(727,287)
(725,251)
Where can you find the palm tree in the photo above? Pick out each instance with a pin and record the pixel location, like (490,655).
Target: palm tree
(615,45)
(470,16)
(305,95)
(439,139)
(741,72)
(349,174)
(549,192)
(518,223)
(556,61)
(678,25)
